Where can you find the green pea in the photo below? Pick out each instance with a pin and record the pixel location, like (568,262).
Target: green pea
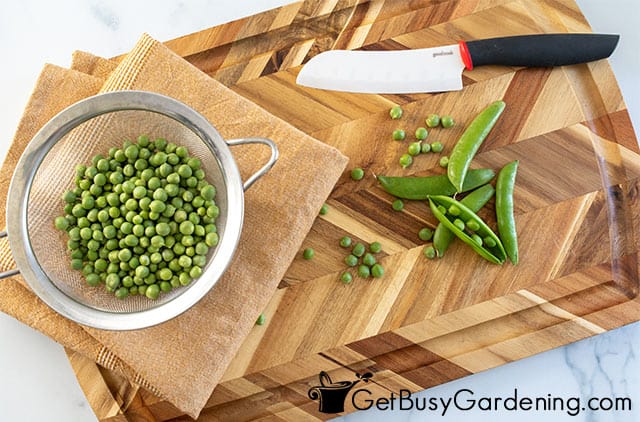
(473,225)
(308,253)
(160,195)
(152,291)
(364,271)
(323,210)
(186,227)
(211,239)
(375,247)
(444,161)
(157,206)
(163,229)
(185,171)
(358,249)
(429,252)
(86,233)
(459,224)
(447,121)
(476,238)
(131,152)
(397,205)
(421,133)
(351,260)
(201,248)
(437,147)
(213,211)
(124,255)
(195,272)
(61,223)
(100,179)
(489,242)
(142,271)
(345,241)
(91,172)
(92,279)
(432,120)
(171,190)
(377,270)
(414,148)
(357,173)
(122,292)
(346,277)
(368,259)
(398,135)
(165,274)
(143,140)
(425,234)
(182,152)
(112,281)
(88,202)
(139,192)
(395,112)
(454,210)
(406,160)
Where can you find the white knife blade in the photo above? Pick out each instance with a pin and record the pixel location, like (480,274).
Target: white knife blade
(406,71)
(440,68)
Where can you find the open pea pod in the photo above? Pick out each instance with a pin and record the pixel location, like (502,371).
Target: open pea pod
(477,199)
(468,227)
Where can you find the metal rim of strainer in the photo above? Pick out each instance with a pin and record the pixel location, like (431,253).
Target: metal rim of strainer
(56,129)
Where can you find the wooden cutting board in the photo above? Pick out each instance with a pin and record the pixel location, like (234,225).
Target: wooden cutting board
(425,322)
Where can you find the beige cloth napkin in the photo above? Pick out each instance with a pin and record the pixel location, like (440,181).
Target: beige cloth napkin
(182,360)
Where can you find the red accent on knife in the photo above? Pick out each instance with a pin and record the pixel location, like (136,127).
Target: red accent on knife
(466,56)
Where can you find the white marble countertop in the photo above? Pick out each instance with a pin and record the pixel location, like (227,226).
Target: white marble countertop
(36,380)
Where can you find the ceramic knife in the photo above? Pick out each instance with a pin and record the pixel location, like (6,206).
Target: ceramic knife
(440,69)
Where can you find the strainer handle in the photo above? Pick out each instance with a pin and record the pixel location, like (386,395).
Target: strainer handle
(272,160)
(9,273)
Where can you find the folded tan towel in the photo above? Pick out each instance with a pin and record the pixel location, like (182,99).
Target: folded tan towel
(182,360)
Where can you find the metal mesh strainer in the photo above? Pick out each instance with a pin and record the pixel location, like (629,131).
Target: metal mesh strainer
(47,169)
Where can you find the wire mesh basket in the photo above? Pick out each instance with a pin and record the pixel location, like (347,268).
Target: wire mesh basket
(47,169)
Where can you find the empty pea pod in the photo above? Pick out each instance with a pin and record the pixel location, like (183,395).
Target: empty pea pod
(469,143)
(420,187)
(475,200)
(504,210)
(494,254)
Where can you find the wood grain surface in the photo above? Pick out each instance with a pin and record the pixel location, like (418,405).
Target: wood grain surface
(425,322)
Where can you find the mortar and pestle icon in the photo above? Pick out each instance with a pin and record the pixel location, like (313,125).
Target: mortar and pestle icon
(333,394)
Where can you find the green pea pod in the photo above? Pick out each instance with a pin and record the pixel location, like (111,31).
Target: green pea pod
(419,188)
(469,143)
(504,210)
(442,207)
(477,199)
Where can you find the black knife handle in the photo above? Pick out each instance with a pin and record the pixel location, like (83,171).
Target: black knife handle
(541,50)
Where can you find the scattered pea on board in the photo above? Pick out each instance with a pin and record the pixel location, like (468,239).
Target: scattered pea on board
(398,135)
(308,253)
(357,173)
(395,112)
